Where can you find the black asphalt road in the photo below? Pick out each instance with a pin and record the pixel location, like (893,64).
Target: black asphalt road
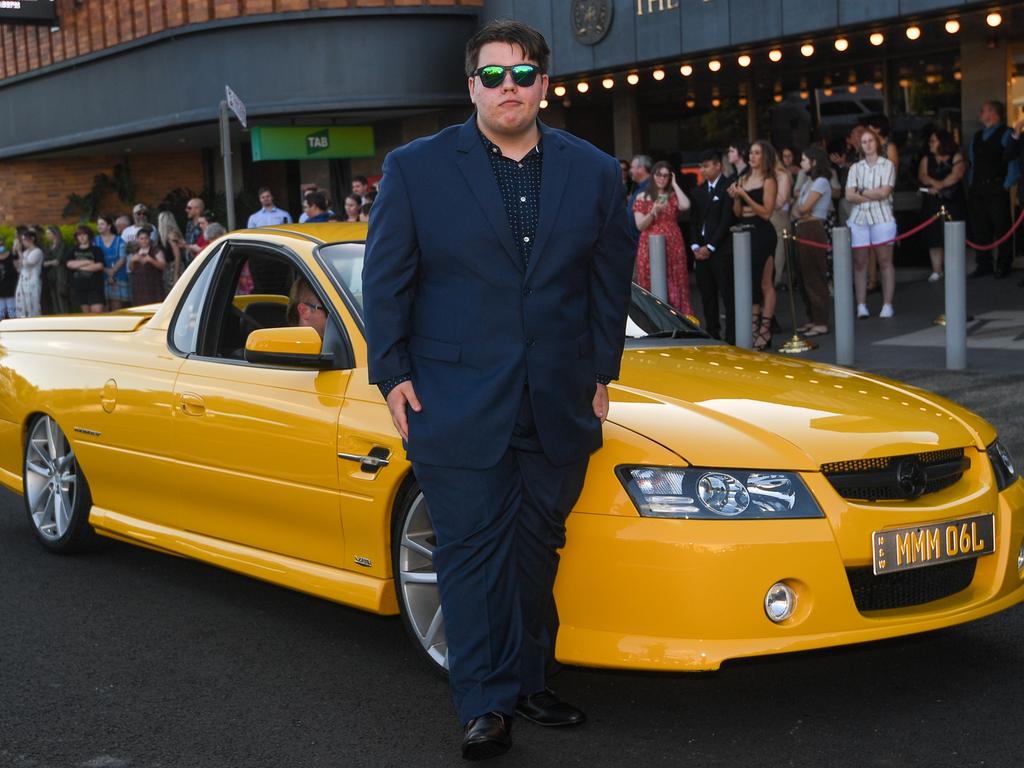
(127,657)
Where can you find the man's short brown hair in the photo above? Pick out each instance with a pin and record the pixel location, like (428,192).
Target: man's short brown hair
(534,46)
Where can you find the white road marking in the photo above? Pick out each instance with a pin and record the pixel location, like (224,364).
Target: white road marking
(1003,329)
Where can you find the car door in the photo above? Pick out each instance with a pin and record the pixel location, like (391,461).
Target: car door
(257,443)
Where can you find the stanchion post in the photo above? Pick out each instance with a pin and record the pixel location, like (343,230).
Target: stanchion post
(955,236)
(742,286)
(659,269)
(842,288)
(797,344)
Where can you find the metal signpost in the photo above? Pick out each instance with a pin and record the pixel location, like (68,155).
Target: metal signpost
(235,104)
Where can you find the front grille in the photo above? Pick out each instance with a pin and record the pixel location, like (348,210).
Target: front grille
(908,588)
(877,479)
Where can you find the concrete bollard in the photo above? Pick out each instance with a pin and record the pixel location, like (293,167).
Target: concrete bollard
(842,288)
(659,267)
(742,286)
(955,236)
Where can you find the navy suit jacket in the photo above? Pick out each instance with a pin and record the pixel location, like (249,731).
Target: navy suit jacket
(446,297)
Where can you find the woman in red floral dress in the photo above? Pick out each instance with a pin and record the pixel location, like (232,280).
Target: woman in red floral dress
(656,210)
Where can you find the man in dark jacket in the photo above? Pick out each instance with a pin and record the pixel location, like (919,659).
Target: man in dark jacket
(711,241)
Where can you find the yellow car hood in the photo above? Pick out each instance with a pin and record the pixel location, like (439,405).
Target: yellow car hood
(719,406)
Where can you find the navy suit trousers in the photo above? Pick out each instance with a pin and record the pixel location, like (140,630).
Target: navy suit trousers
(498,532)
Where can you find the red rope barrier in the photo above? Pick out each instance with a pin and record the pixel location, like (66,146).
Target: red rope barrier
(923,225)
(1002,239)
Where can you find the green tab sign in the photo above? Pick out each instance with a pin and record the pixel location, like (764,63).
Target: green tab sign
(311,142)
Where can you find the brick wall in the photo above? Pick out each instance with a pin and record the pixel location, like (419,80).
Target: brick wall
(91,25)
(34,191)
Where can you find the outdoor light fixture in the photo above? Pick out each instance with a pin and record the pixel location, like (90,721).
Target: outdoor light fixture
(608,83)
(543,103)
(841,44)
(952,26)
(827,91)
(851,88)
(743,60)
(559,91)
(686,70)
(775,54)
(958,75)
(805,95)
(904,82)
(807,50)
(877,38)
(716,103)
(632,78)
(583,86)
(691,103)
(658,74)
(878,85)
(714,65)
(743,101)
(913,32)
(777,97)
(994,19)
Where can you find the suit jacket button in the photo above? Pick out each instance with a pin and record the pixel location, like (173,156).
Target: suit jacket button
(527,291)
(531,342)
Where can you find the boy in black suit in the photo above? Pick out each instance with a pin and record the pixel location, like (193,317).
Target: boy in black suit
(711,243)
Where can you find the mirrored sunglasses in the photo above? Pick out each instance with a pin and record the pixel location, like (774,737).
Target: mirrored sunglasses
(493,75)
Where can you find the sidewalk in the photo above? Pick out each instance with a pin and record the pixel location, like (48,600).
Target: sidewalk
(910,340)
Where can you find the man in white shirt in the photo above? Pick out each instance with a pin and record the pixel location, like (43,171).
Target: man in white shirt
(269,215)
(140,217)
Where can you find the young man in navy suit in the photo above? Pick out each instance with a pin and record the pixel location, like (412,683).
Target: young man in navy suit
(493,333)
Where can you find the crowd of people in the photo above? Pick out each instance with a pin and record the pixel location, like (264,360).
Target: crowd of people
(122,261)
(846,180)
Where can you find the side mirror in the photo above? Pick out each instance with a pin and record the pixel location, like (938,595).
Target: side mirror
(299,347)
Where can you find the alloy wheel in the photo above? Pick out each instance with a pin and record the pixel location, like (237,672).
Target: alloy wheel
(417,580)
(51,479)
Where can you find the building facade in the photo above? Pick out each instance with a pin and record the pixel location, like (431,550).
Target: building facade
(118,87)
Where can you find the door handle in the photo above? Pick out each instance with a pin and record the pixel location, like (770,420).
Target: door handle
(192,404)
(377,459)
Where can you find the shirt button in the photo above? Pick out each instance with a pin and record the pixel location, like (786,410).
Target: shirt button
(522,199)
(520,165)
(526,239)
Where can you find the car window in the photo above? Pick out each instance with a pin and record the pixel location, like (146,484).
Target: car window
(185,333)
(344,261)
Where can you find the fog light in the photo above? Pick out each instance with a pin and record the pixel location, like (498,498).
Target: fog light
(780,602)
(1020,561)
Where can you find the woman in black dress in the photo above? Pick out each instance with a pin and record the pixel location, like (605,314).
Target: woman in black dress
(754,197)
(147,266)
(941,174)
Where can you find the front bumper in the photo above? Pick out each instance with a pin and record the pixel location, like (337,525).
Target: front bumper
(686,595)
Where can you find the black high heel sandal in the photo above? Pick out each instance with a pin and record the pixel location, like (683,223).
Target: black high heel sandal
(763,339)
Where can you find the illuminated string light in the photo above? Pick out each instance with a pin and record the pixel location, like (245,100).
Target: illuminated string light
(876,39)
(913,32)
(841,44)
(807,50)
(777,97)
(583,86)
(716,103)
(994,19)
(714,65)
(743,60)
(608,83)
(805,95)
(658,74)
(827,90)
(743,101)
(559,91)
(952,26)
(686,70)
(851,88)
(543,103)
(958,75)
(632,78)
(775,55)
(904,82)
(691,103)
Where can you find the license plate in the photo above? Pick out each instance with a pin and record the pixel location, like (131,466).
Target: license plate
(900,549)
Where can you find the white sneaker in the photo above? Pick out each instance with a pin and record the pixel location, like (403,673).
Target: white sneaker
(934,277)
(886,311)
(862,311)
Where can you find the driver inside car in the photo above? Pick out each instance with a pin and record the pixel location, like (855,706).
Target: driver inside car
(304,308)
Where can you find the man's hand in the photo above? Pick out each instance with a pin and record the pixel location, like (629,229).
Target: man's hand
(601,402)
(402,395)
(702,253)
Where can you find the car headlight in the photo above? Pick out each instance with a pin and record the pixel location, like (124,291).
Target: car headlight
(693,493)
(1002,465)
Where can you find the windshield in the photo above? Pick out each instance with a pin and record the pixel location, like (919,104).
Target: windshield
(648,316)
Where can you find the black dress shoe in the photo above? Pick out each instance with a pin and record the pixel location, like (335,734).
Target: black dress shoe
(544,708)
(486,736)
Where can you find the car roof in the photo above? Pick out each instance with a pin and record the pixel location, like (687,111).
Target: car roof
(326,232)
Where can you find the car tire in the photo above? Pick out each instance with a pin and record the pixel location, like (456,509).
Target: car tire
(419,600)
(57,497)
